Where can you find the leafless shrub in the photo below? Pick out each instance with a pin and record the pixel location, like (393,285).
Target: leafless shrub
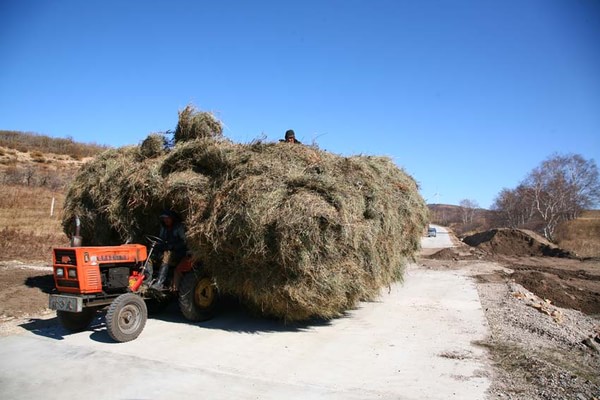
(13,176)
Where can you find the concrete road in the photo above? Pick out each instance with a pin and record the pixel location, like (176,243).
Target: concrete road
(415,342)
(440,241)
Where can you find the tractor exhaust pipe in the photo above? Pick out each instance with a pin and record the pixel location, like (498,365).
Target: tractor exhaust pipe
(76,239)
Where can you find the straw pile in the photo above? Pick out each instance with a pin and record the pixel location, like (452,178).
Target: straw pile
(294,231)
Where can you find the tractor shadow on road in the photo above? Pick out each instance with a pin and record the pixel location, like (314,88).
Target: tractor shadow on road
(232,316)
(52,329)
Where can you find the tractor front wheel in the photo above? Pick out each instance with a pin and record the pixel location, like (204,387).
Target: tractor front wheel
(76,321)
(126,317)
(197,296)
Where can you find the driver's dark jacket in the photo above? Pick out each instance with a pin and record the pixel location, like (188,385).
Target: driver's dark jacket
(174,239)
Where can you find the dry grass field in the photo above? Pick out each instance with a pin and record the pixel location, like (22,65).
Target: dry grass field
(34,171)
(581,235)
(27,230)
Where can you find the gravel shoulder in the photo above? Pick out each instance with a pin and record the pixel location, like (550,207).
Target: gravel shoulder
(538,350)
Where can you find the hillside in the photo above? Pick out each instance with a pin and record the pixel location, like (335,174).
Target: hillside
(33,160)
(581,235)
(35,172)
(36,168)
(30,142)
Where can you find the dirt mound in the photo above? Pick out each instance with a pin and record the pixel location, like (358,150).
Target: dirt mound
(444,254)
(292,230)
(514,242)
(454,253)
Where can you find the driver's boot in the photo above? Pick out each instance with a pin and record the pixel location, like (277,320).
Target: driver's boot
(162,277)
(148,274)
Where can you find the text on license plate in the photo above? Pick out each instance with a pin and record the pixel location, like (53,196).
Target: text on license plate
(65,303)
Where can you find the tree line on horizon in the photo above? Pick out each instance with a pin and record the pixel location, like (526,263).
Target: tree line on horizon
(30,141)
(559,189)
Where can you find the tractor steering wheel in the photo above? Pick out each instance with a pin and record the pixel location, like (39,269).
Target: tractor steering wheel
(154,240)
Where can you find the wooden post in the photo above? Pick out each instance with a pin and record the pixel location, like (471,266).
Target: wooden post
(52,208)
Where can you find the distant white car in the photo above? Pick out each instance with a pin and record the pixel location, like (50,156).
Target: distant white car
(431,232)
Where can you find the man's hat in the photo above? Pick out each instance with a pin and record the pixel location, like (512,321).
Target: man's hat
(168,213)
(290,134)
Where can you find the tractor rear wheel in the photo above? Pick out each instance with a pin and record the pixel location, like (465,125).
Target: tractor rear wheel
(198,296)
(126,317)
(76,321)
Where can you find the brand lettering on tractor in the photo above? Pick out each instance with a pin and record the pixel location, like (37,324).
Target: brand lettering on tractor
(116,257)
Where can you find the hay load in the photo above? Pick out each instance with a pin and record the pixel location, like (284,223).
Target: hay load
(294,231)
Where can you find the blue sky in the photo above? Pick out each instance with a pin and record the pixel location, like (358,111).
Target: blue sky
(466,96)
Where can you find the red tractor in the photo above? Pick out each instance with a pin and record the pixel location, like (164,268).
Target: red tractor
(89,279)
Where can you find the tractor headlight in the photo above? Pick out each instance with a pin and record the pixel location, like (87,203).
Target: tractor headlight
(72,272)
(60,272)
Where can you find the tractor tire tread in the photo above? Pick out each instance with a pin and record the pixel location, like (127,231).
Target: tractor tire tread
(112,317)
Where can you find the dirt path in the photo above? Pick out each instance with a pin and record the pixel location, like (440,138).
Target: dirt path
(24,289)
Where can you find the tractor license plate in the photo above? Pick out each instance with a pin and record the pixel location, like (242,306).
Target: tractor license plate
(66,303)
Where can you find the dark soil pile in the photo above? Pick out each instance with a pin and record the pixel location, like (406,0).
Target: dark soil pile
(453,253)
(294,231)
(514,242)
(445,254)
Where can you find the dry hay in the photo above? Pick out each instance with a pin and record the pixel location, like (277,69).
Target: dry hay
(294,231)
(196,125)
(153,146)
(514,242)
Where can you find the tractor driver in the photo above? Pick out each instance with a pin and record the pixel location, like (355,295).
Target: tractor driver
(290,137)
(173,249)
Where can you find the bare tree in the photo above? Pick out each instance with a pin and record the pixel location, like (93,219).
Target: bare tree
(468,208)
(29,175)
(561,187)
(515,206)
(557,190)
